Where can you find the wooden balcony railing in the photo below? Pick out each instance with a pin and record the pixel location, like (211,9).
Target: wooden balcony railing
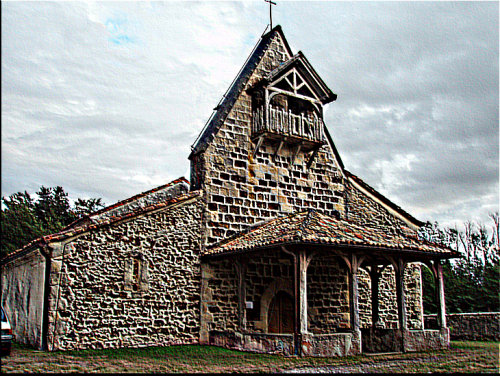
(286,123)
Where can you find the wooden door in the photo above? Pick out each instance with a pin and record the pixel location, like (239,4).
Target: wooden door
(280,315)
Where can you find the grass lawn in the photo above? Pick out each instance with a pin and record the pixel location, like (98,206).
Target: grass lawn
(477,357)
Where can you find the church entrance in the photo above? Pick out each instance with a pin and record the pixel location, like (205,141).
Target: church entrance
(281,314)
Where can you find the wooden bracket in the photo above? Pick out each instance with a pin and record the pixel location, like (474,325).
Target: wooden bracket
(312,158)
(278,149)
(259,142)
(294,156)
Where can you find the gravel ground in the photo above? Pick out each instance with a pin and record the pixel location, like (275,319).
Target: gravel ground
(394,366)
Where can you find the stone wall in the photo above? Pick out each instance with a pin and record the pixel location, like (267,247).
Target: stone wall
(219,306)
(483,326)
(364,210)
(327,295)
(23,282)
(388,310)
(133,283)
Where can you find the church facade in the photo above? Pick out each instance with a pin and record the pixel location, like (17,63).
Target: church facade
(272,245)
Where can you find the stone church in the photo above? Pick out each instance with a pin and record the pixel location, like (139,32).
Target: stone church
(272,245)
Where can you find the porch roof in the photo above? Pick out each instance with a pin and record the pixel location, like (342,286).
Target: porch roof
(314,228)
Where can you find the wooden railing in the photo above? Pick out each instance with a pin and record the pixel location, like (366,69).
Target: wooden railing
(287,124)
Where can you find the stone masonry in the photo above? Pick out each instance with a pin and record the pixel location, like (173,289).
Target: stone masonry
(134,283)
(242,190)
(387,298)
(481,326)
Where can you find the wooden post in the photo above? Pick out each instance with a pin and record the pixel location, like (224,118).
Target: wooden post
(353,262)
(354,294)
(241,268)
(304,261)
(296,298)
(441,314)
(400,293)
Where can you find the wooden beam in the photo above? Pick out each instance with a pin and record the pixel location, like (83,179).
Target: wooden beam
(441,314)
(296,298)
(354,294)
(312,158)
(259,142)
(294,156)
(278,149)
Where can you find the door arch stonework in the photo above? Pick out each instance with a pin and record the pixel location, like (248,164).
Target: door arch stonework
(279,284)
(281,314)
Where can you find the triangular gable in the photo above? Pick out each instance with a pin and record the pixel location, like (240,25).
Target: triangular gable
(297,76)
(240,84)
(384,201)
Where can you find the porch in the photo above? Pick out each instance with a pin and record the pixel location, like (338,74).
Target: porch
(317,299)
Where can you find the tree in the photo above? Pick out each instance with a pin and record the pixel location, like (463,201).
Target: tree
(472,282)
(24,219)
(53,209)
(86,207)
(19,223)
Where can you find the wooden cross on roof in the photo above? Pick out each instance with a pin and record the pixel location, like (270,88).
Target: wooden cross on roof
(271,3)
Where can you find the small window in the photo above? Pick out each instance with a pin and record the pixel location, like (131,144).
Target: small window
(136,273)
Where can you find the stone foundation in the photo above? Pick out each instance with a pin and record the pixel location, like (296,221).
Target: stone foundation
(255,342)
(382,340)
(427,340)
(391,340)
(325,345)
(331,345)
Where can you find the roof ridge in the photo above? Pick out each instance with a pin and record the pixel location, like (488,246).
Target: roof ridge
(305,223)
(139,195)
(124,201)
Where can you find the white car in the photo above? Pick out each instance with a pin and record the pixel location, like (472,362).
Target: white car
(6,334)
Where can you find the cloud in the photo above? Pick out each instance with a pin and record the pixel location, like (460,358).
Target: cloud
(105,98)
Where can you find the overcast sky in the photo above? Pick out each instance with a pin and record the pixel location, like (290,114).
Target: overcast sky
(105,99)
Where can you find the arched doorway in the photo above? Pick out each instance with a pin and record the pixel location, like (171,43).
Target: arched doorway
(280,316)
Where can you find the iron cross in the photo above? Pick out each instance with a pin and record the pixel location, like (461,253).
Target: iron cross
(271,3)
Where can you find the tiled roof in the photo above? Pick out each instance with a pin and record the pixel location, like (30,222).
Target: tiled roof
(315,228)
(86,219)
(383,199)
(69,232)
